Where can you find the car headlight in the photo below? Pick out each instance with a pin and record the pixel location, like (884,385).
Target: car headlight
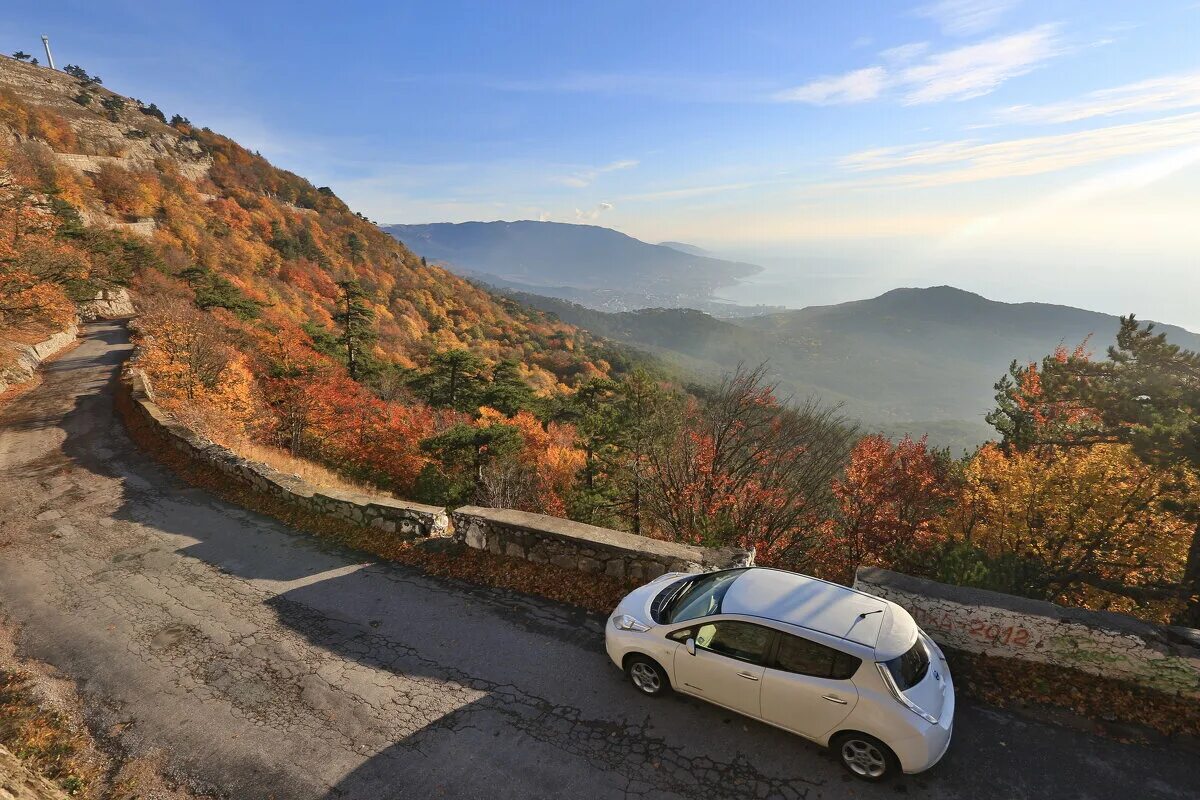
(628,623)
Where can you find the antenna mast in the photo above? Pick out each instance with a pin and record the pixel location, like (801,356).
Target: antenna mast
(49,57)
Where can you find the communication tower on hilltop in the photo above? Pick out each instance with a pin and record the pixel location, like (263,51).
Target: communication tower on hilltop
(46,44)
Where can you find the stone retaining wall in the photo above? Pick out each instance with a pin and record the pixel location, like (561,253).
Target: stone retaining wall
(28,357)
(516,534)
(1098,642)
(410,520)
(587,548)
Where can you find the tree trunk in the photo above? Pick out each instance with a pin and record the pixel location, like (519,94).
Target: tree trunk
(637,508)
(1191,584)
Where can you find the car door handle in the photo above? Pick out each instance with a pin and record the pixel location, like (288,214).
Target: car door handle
(833,698)
(750,676)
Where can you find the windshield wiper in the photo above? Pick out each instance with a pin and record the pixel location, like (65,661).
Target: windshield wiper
(676,596)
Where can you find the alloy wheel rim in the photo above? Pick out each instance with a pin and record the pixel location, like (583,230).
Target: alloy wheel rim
(644,677)
(863,758)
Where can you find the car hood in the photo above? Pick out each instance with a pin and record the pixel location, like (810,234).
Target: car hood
(637,603)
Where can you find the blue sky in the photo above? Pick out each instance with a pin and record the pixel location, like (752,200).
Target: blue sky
(1030,150)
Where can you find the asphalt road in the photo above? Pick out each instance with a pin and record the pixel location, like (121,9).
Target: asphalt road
(268,664)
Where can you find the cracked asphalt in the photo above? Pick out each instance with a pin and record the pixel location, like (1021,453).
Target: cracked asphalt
(268,664)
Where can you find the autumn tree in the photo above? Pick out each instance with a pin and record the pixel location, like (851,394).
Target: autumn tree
(25,297)
(26,208)
(1145,395)
(1093,526)
(887,502)
(356,317)
(743,468)
(536,476)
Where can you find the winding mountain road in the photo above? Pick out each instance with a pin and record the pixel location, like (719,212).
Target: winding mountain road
(268,664)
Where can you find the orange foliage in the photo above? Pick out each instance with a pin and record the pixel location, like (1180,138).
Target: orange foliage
(263,251)
(888,501)
(549,452)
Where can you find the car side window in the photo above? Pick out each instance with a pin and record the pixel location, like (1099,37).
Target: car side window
(801,656)
(739,640)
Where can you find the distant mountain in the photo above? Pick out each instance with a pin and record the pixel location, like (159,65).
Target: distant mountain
(596,266)
(690,249)
(929,355)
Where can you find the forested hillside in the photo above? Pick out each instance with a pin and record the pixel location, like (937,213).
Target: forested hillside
(274,317)
(271,310)
(917,361)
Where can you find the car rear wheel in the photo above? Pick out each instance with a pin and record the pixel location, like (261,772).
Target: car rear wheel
(647,676)
(865,756)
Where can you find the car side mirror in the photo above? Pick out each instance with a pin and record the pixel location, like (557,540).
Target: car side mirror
(690,644)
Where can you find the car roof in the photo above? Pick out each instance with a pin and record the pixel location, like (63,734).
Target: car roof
(818,605)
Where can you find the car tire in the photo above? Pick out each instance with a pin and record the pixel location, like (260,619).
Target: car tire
(647,676)
(865,757)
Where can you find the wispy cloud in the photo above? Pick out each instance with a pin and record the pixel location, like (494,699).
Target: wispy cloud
(978,69)
(853,87)
(966,17)
(945,163)
(1165,93)
(585,177)
(904,53)
(958,74)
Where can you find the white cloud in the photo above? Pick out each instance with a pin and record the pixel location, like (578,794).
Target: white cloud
(1165,93)
(978,69)
(945,163)
(585,177)
(966,17)
(853,87)
(592,214)
(905,52)
(958,74)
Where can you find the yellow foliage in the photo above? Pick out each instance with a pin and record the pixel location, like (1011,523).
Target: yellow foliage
(1093,515)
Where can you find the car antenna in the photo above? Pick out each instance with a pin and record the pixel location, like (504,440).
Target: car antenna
(866,614)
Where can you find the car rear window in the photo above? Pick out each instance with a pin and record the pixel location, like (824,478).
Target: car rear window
(910,668)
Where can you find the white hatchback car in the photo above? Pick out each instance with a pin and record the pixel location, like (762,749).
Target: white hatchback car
(846,669)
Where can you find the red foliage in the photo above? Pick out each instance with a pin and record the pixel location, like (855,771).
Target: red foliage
(887,502)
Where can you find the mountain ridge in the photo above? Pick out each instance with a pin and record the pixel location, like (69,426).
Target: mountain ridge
(929,354)
(604,268)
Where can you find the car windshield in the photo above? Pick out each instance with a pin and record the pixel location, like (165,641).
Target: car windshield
(693,597)
(909,669)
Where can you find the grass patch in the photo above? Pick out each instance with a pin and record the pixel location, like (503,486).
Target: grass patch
(43,739)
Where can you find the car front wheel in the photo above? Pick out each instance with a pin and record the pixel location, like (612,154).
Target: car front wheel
(865,756)
(645,674)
